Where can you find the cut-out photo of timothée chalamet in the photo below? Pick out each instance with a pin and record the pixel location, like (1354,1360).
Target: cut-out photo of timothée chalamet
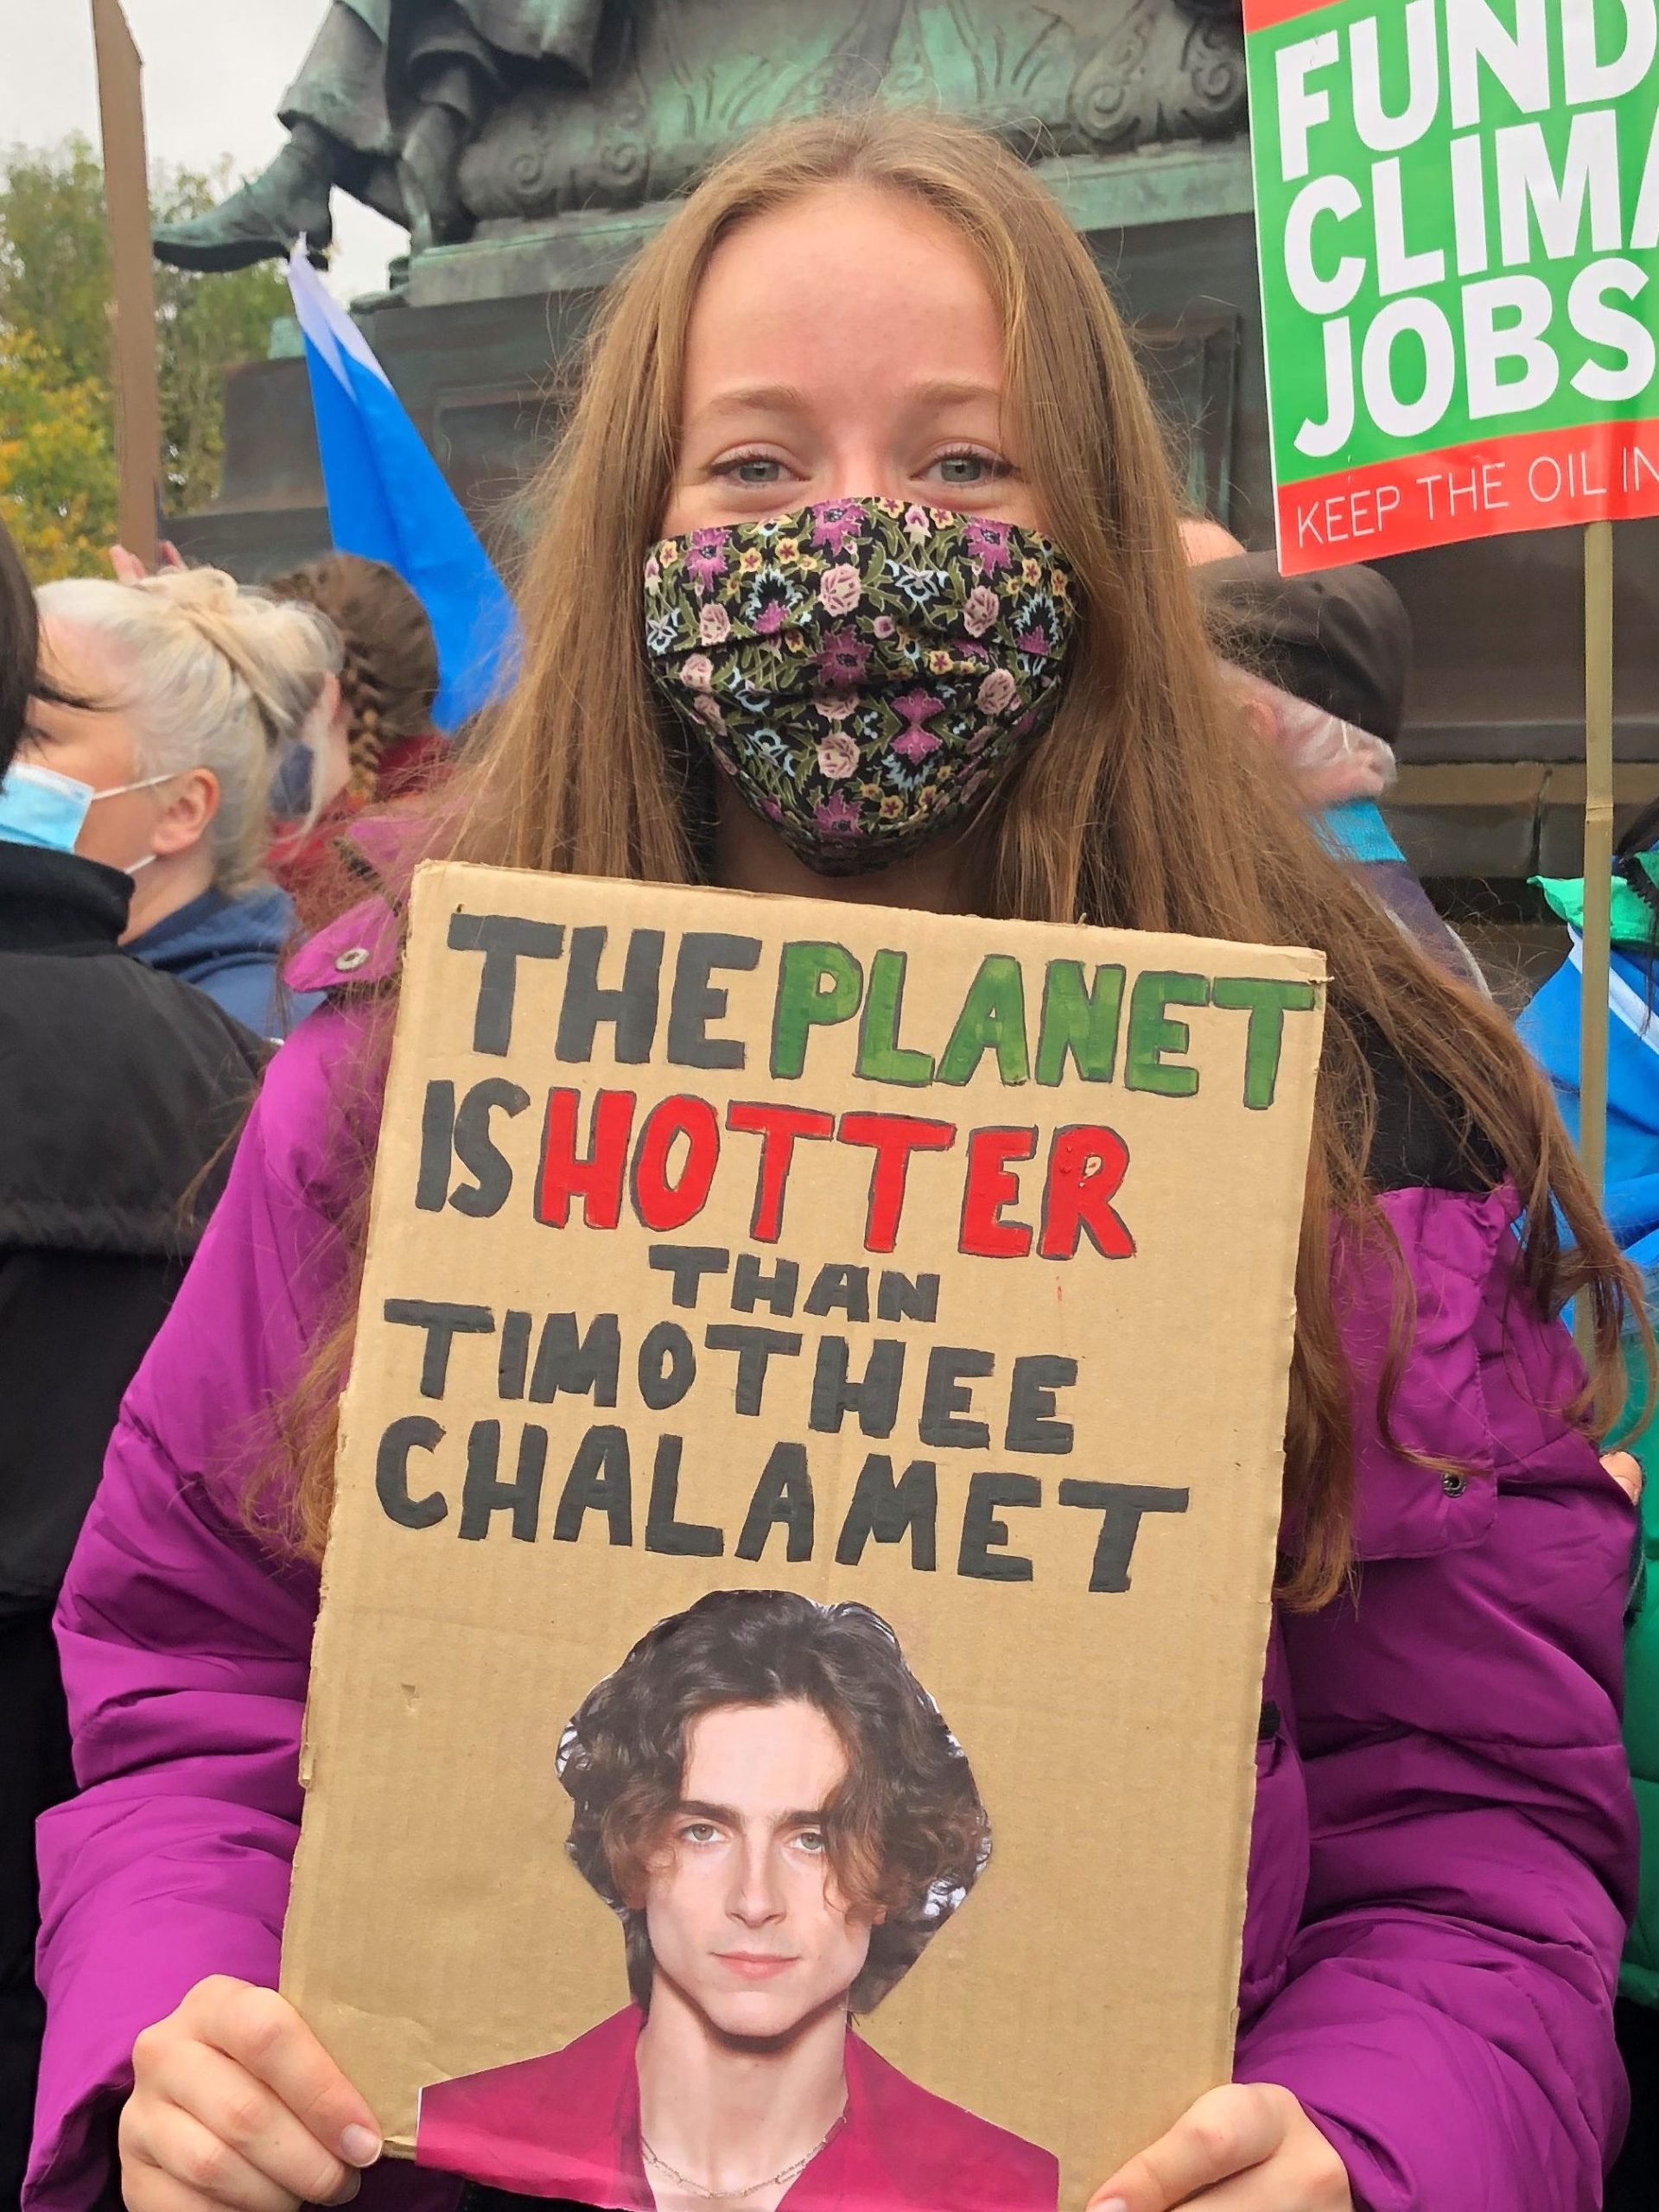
(776,1812)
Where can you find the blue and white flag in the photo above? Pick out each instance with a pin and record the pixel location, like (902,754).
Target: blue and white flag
(388,501)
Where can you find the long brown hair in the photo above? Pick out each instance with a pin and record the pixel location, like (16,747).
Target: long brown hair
(1148,805)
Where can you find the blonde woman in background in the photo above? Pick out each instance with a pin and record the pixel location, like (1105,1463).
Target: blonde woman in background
(196,691)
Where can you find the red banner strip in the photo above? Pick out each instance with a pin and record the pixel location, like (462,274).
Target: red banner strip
(1608,471)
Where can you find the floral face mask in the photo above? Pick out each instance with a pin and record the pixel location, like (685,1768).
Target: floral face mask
(862,671)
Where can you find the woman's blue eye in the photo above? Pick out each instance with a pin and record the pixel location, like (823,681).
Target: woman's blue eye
(966,470)
(753,468)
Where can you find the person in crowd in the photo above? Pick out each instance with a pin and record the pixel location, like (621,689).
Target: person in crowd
(191,694)
(868,390)
(380,748)
(1551,1027)
(118,1088)
(754,1929)
(1326,657)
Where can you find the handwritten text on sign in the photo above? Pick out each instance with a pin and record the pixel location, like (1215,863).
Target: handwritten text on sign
(763,1332)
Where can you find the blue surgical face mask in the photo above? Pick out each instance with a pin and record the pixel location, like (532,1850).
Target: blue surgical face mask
(40,808)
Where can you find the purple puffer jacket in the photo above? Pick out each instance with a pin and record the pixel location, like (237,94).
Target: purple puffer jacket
(1444,1852)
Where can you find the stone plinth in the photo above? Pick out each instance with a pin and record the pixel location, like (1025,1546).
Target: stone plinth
(480,342)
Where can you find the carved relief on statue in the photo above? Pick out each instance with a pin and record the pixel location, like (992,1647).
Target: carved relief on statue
(447,113)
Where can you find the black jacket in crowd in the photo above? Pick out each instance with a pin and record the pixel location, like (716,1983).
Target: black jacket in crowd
(121,1090)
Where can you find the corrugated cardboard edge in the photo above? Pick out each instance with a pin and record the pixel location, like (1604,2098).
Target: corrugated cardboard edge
(1266,1534)
(408,1040)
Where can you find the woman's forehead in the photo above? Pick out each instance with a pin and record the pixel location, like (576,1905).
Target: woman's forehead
(66,644)
(88,664)
(841,275)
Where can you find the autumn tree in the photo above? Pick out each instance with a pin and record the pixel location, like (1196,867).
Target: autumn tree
(55,338)
(57,461)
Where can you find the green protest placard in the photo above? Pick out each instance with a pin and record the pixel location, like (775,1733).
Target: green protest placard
(1458,210)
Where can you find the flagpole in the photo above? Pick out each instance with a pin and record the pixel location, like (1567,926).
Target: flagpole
(1598,866)
(126,196)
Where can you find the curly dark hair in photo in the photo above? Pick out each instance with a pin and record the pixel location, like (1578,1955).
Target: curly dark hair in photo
(907,1835)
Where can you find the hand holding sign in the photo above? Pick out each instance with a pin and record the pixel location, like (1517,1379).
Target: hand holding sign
(1246,2148)
(235,2102)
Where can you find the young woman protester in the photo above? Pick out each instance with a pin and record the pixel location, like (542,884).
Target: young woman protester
(196,693)
(879,335)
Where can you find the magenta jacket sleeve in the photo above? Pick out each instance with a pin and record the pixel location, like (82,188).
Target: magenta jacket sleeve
(185,1649)
(1446,2020)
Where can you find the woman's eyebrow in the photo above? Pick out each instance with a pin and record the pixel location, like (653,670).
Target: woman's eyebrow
(953,391)
(756,398)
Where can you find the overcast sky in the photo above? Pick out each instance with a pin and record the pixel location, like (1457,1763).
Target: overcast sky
(214,71)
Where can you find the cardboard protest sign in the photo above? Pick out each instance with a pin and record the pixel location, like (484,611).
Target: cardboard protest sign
(1458,218)
(807,1506)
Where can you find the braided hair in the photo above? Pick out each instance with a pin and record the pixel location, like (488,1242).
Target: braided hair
(389,671)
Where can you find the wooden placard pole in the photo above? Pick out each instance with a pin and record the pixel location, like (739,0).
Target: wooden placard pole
(1596,948)
(126,195)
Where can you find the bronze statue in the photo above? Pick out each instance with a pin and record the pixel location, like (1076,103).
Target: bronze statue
(448,114)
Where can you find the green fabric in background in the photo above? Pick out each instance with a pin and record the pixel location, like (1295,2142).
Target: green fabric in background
(1633,921)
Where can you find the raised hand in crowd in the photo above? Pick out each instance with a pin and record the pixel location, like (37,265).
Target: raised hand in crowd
(129,569)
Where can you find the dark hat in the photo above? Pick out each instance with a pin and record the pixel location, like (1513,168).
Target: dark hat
(1339,637)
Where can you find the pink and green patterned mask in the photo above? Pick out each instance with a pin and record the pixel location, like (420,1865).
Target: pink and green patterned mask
(864,671)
